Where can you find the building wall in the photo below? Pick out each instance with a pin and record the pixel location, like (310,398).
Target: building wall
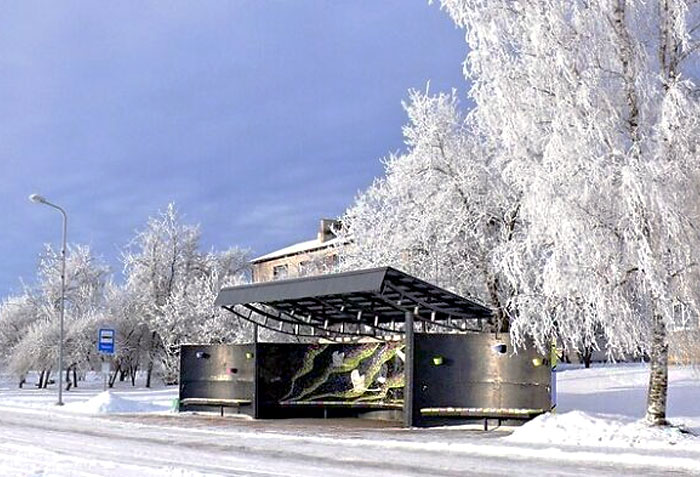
(320,257)
(310,263)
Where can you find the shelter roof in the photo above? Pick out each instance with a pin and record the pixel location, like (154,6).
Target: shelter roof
(363,302)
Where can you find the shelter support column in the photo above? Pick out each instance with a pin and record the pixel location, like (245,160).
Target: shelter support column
(408,371)
(256,372)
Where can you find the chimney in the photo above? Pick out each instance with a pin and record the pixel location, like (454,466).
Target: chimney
(325,231)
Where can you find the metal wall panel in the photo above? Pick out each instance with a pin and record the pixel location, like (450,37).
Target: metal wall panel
(477,371)
(217,372)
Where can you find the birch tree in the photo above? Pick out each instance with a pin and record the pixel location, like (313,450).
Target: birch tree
(593,109)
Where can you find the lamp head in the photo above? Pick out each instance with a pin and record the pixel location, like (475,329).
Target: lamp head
(37,199)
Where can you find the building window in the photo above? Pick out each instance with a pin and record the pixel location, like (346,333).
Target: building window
(280,272)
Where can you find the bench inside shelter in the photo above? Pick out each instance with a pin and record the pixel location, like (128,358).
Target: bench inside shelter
(209,402)
(501,416)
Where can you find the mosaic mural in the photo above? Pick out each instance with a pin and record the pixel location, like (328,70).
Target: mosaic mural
(365,374)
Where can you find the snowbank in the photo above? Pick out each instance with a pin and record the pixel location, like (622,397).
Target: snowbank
(109,403)
(578,428)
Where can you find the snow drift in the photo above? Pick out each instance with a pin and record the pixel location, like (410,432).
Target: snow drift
(578,428)
(109,403)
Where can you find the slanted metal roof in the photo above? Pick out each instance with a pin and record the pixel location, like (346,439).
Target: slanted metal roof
(361,303)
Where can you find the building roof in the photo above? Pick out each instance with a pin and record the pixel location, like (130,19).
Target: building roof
(297,248)
(359,303)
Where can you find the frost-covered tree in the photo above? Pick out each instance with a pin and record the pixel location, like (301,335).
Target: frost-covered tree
(172,283)
(36,351)
(440,212)
(124,311)
(592,109)
(166,299)
(17,314)
(86,275)
(189,315)
(80,344)
(85,280)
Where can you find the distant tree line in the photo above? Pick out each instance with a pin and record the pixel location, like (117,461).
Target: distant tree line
(166,298)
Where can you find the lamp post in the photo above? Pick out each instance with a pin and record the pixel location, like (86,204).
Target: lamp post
(37,199)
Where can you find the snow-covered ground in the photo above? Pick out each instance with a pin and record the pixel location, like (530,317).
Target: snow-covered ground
(596,430)
(621,390)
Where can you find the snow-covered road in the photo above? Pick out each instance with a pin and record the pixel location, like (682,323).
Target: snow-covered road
(46,443)
(37,438)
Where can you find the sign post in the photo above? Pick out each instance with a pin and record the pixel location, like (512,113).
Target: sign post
(105,346)
(105,373)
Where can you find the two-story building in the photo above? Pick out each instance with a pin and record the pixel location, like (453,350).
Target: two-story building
(311,257)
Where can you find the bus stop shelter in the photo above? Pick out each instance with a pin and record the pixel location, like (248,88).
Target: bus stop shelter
(373,339)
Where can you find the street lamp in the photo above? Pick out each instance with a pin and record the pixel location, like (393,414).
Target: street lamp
(37,199)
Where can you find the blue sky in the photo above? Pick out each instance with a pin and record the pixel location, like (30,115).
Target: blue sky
(255,117)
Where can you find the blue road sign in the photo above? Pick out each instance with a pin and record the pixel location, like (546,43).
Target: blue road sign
(105,341)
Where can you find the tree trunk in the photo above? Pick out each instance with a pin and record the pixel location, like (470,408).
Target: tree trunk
(67,379)
(40,382)
(502,324)
(151,352)
(658,377)
(75,377)
(585,356)
(47,377)
(132,374)
(149,371)
(114,376)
